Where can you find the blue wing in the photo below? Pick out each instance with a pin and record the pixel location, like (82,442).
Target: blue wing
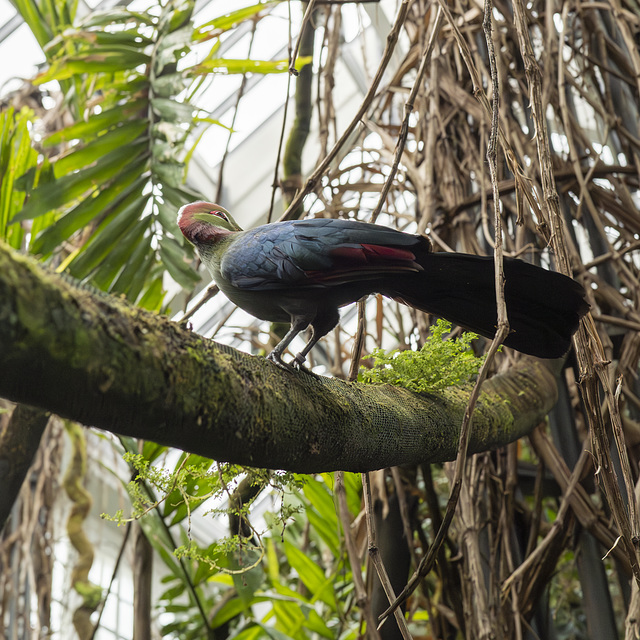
(318,253)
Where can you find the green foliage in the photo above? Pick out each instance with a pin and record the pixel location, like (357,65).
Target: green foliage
(17,158)
(46,19)
(181,487)
(439,364)
(294,567)
(107,211)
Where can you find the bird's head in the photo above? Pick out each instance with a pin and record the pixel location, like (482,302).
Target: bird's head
(205,222)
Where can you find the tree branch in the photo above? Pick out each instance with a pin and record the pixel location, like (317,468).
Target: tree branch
(97,360)
(19,440)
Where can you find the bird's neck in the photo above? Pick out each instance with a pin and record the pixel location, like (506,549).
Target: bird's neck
(213,245)
(202,234)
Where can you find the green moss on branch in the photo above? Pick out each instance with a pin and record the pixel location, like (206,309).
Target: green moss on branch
(99,361)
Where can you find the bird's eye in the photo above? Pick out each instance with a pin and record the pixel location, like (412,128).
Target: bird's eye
(220,214)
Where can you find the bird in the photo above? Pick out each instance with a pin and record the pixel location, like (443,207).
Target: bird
(303,271)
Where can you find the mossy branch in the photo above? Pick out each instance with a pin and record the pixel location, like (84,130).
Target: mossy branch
(97,360)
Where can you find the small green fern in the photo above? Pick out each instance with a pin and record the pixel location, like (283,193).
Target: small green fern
(439,364)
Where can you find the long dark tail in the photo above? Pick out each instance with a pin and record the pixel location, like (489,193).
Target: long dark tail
(543,307)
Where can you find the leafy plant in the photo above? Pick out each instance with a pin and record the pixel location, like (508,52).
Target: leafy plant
(282,582)
(130,81)
(17,158)
(440,363)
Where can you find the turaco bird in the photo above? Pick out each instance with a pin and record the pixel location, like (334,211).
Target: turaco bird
(303,271)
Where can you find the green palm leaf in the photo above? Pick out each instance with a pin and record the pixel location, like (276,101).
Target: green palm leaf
(108,213)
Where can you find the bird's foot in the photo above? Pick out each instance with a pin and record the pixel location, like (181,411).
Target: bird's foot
(298,365)
(295,366)
(298,362)
(276,358)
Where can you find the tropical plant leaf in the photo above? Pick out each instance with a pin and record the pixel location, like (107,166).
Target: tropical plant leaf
(120,255)
(17,157)
(140,263)
(145,279)
(104,60)
(117,138)
(173,259)
(230,20)
(225,65)
(97,124)
(82,183)
(311,574)
(92,210)
(126,37)
(109,215)
(40,26)
(108,234)
(116,16)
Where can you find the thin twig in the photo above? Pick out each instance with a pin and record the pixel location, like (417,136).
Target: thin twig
(276,169)
(501,333)
(211,292)
(509,153)
(556,528)
(239,96)
(492,154)
(294,54)
(354,560)
(312,181)
(404,512)
(408,110)
(589,350)
(358,343)
(482,612)
(374,555)
(114,575)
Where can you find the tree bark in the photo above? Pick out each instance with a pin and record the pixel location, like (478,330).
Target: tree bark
(19,442)
(142,576)
(95,359)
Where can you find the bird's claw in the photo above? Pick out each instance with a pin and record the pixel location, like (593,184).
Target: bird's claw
(295,366)
(279,362)
(298,365)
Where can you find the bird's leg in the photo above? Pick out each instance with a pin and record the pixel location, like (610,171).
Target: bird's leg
(302,356)
(298,324)
(320,326)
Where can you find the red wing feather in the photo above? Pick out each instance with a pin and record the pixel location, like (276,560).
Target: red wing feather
(391,253)
(364,260)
